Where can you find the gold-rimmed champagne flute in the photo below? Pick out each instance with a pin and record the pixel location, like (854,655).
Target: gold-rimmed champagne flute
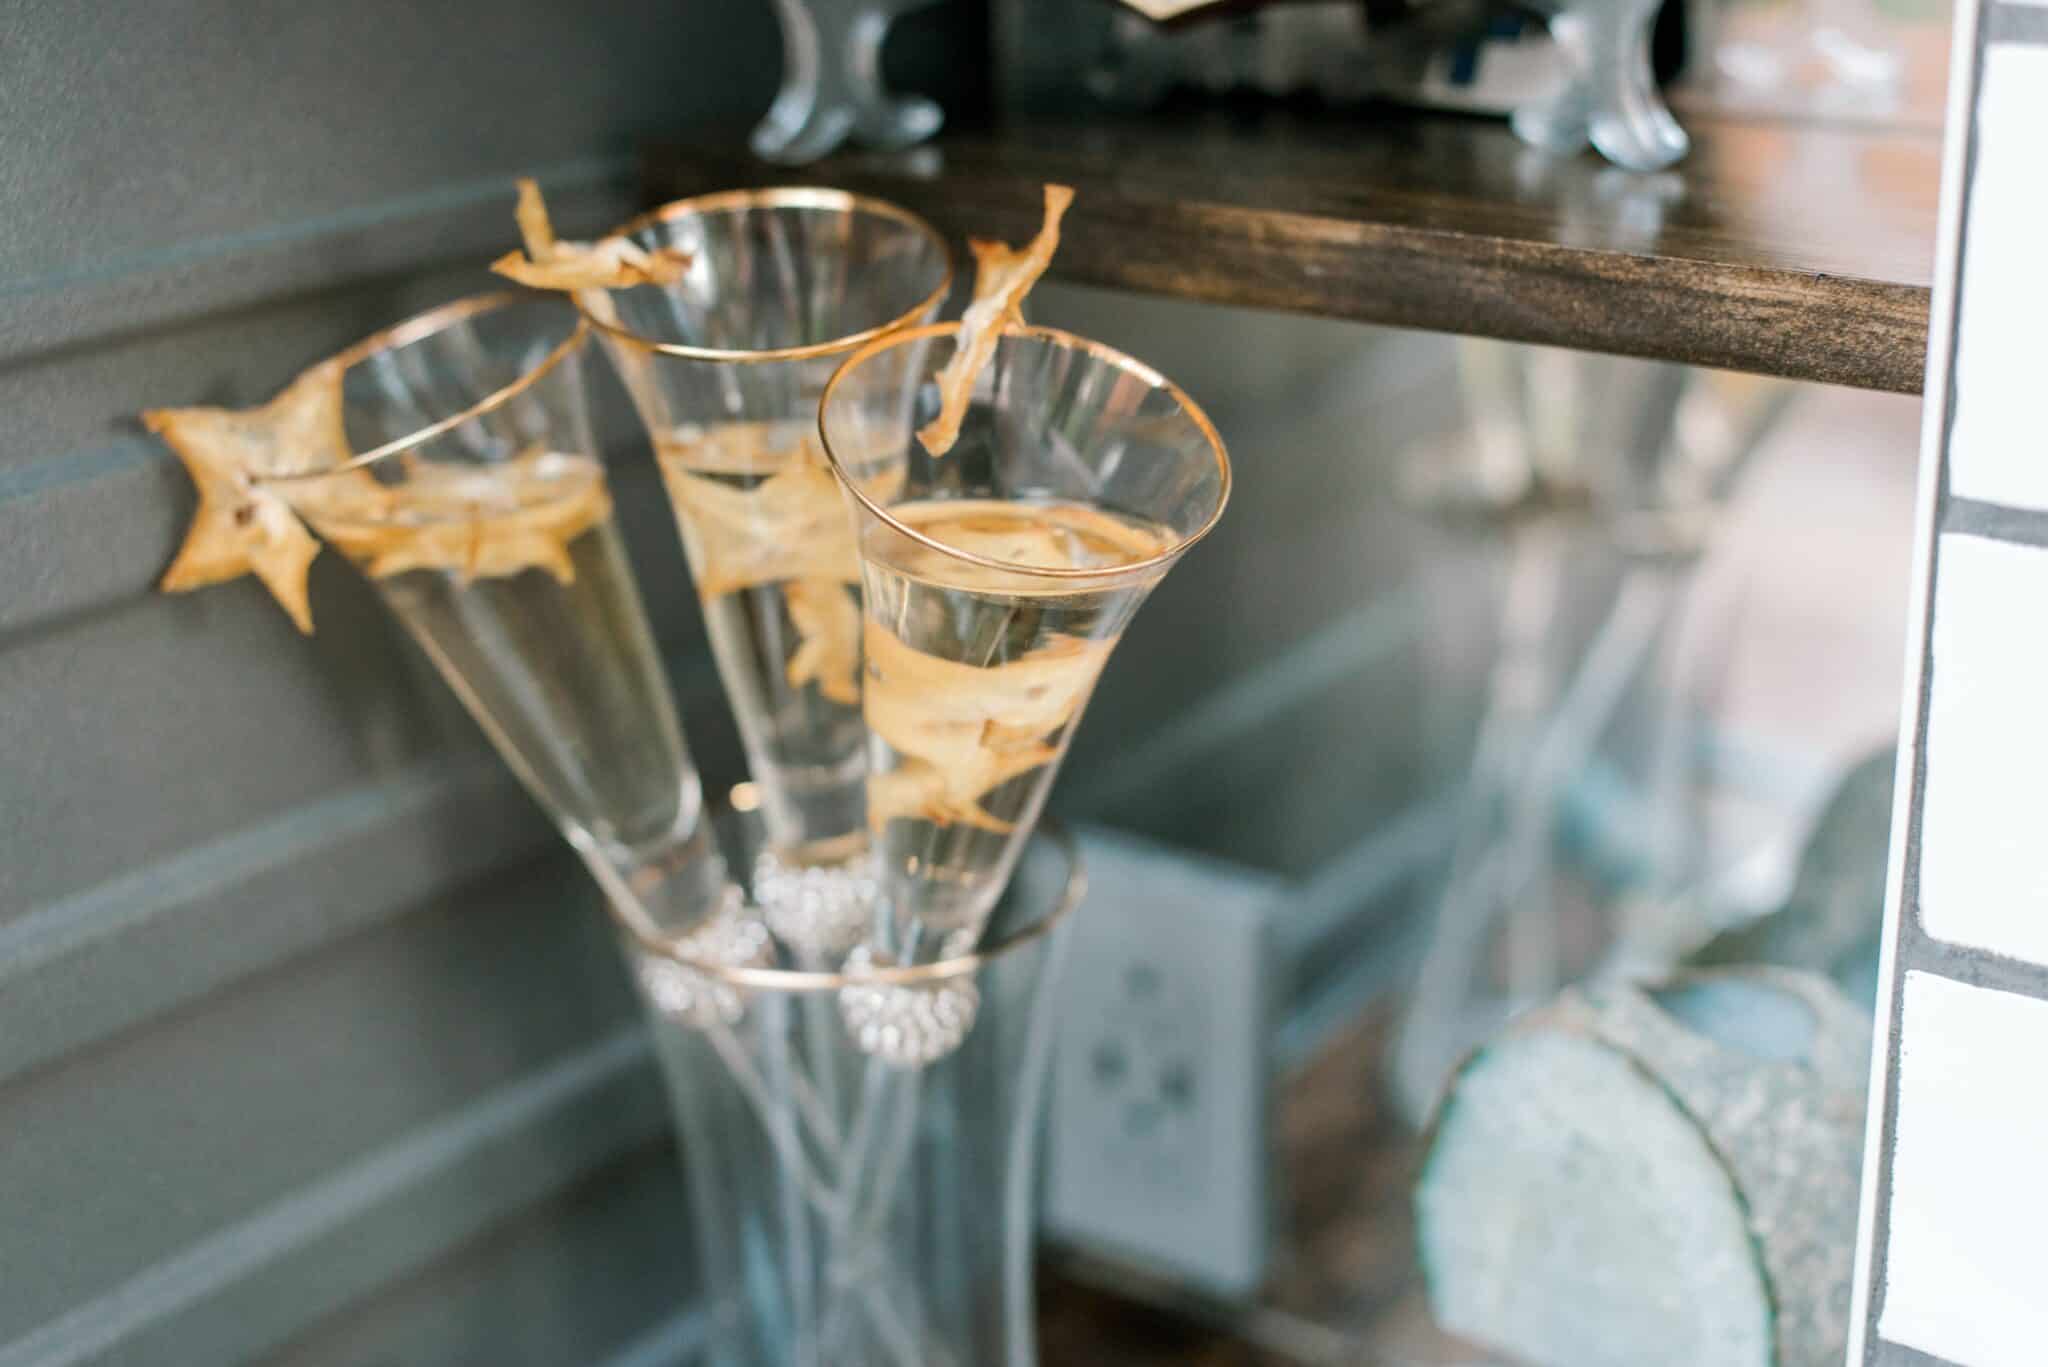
(997,579)
(726,365)
(479,510)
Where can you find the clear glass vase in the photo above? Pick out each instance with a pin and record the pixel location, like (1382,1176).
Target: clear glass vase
(860,1147)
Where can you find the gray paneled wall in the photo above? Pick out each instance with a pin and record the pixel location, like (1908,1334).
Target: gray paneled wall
(298,999)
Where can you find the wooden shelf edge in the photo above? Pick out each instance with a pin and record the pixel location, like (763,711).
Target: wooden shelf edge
(1349,230)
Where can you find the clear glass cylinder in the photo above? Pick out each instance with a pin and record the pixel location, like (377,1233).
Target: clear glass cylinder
(860,1148)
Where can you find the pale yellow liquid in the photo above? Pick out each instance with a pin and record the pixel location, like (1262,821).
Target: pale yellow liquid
(770,543)
(513,580)
(975,678)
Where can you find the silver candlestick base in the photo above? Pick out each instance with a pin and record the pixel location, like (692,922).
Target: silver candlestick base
(832,83)
(1587,80)
(1611,99)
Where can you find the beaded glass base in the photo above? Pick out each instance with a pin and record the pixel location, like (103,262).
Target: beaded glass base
(818,910)
(909,1026)
(733,936)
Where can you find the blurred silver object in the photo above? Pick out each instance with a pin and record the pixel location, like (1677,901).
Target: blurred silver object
(1833,918)
(1591,82)
(1568,456)
(1611,99)
(832,83)
(1675,1164)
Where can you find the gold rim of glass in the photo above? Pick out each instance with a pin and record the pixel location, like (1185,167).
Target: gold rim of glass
(795,980)
(417,328)
(1128,364)
(801,197)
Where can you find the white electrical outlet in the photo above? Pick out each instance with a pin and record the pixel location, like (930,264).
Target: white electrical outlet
(1159,1099)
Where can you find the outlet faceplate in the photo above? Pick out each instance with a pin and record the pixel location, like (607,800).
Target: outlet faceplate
(1159,1110)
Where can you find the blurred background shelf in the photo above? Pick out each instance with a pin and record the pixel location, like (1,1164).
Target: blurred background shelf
(1799,249)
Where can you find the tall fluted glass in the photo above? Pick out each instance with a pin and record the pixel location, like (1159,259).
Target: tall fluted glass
(479,510)
(835,1224)
(997,580)
(726,366)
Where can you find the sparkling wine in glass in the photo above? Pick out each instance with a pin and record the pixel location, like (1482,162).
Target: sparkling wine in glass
(998,578)
(726,365)
(480,512)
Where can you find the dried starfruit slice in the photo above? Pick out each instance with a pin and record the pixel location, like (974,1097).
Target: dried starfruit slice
(1002,277)
(242,527)
(612,263)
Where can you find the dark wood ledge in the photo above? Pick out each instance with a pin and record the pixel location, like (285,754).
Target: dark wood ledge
(1796,250)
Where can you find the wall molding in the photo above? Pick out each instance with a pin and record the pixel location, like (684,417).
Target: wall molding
(132,498)
(254,1283)
(1310,666)
(80,969)
(467,220)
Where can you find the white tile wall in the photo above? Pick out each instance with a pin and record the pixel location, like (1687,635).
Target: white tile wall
(1983,877)
(1953,1258)
(2002,352)
(1964,1264)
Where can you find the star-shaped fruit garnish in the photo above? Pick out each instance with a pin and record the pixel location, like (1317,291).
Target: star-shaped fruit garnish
(477,521)
(961,730)
(241,526)
(827,621)
(791,525)
(613,263)
(789,530)
(1002,277)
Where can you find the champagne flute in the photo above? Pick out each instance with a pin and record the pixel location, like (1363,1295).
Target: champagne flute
(725,366)
(997,580)
(480,512)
